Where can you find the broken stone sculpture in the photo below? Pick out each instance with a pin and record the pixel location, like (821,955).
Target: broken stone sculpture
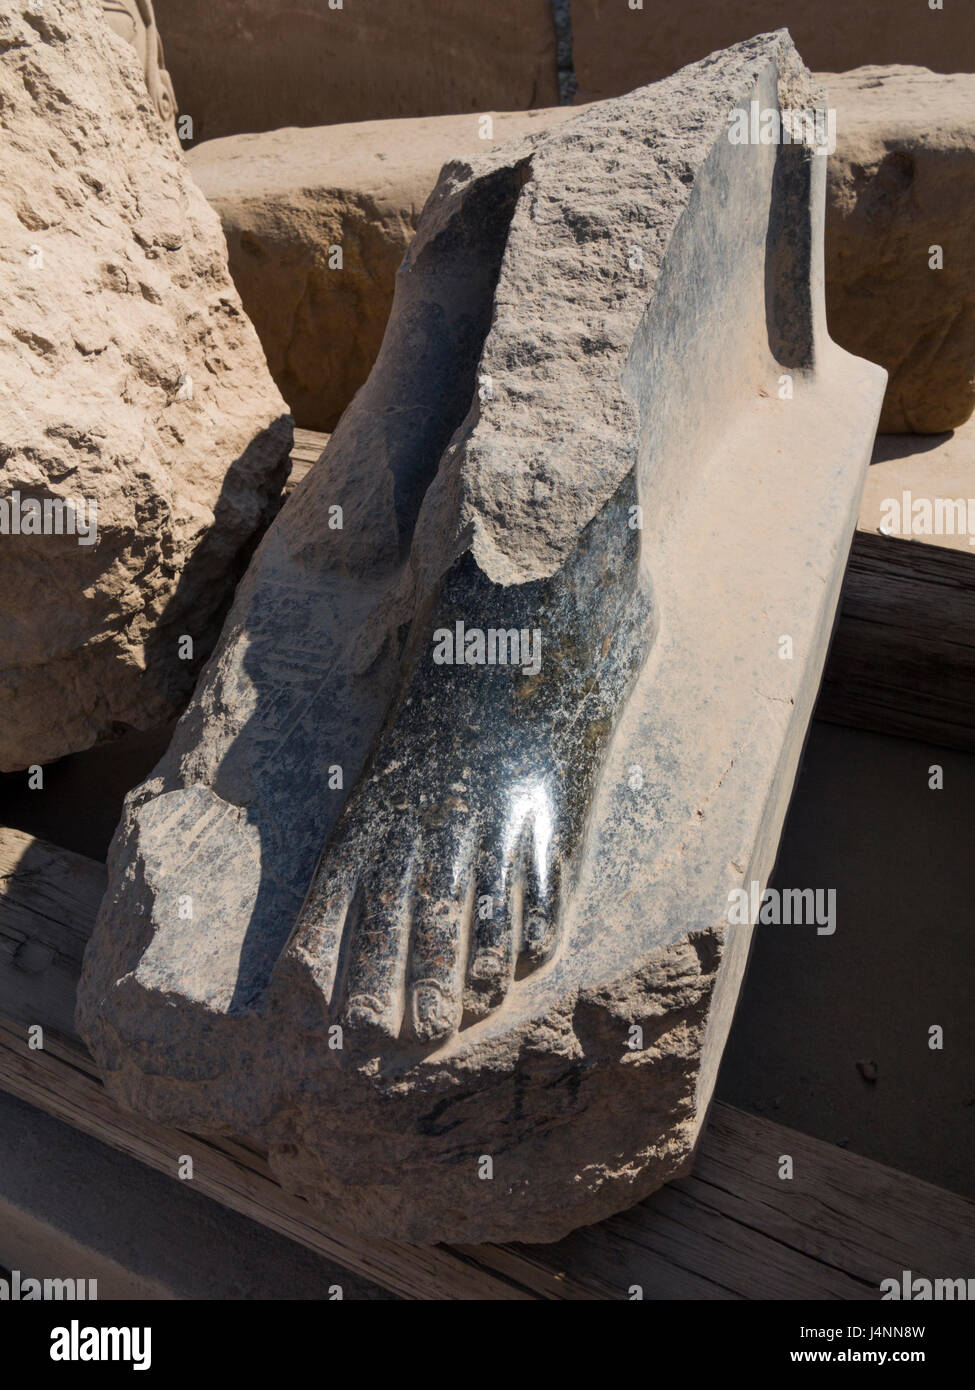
(430,895)
(134,21)
(900,185)
(143,444)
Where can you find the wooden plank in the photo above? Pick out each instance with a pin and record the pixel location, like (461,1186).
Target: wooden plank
(306,450)
(60,1080)
(903,656)
(49,901)
(731,1230)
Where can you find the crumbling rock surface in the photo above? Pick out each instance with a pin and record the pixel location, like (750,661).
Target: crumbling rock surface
(130,381)
(450,935)
(134,21)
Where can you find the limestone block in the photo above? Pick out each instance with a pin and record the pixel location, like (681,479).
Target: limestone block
(135,401)
(900,249)
(317,222)
(925,494)
(432,895)
(245,65)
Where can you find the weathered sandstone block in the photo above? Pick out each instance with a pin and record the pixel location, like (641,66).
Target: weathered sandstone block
(923,489)
(132,387)
(430,894)
(289,200)
(242,65)
(901,186)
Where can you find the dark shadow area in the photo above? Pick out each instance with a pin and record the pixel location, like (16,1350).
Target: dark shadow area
(788,257)
(831,1034)
(568,82)
(888,447)
(79,805)
(250,497)
(145,1235)
(435,336)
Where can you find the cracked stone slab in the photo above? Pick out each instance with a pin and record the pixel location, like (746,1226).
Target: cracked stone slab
(450,937)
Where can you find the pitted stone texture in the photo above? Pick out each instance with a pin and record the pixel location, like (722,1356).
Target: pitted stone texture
(288,198)
(598,319)
(114,287)
(901,183)
(246,65)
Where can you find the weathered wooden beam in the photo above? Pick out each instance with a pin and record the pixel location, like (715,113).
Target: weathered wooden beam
(731,1230)
(903,656)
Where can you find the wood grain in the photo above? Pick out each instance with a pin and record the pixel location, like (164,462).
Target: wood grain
(903,654)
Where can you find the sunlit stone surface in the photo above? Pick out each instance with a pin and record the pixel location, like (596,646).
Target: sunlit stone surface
(451,937)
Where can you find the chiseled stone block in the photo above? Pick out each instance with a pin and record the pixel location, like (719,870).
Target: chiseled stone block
(317,222)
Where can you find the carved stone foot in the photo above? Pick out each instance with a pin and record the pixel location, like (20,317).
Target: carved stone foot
(445,876)
(460,954)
